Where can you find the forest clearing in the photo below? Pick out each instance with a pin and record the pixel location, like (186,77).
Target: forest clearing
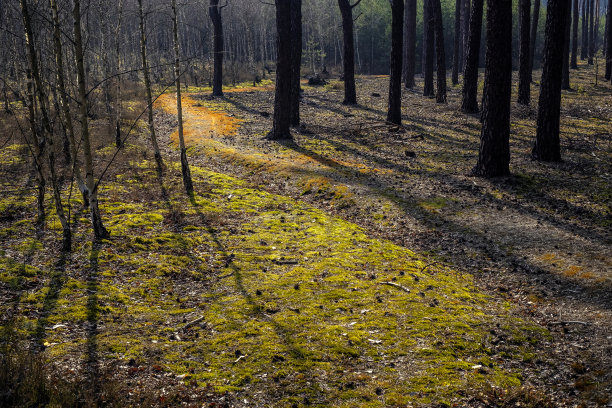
(362,261)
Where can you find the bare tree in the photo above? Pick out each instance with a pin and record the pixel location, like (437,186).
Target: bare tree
(440,55)
(296,61)
(469,102)
(524,93)
(534,36)
(410,15)
(346,10)
(428,47)
(394,112)
(456,42)
(282,98)
(215,16)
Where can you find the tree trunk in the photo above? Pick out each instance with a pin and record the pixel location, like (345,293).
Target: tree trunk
(428,48)
(346,10)
(65,103)
(47,131)
(96,220)
(608,42)
(440,56)
(394,113)
(282,98)
(467,8)
(410,15)
(524,93)
(179,105)
(147,83)
(296,60)
(494,154)
(565,80)
(534,37)
(584,50)
(591,31)
(215,15)
(469,103)
(456,42)
(574,63)
(547,145)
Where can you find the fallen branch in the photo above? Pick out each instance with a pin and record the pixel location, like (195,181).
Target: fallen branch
(282,262)
(395,285)
(563,323)
(192,323)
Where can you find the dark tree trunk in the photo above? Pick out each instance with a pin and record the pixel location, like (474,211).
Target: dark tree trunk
(440,56)
(608,42)
(428,48)
(469,103)
(494,154)
(282,98)
(410,14)
(346,10)
(547,145)
(215,15)
(524,92)
(591,31)
(456,43)
(467,7)
(394,113)
(565,81)
(296,60)
(534,37)
(584,50)
(574,63)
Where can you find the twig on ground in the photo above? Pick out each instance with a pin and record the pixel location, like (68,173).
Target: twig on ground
(395,285)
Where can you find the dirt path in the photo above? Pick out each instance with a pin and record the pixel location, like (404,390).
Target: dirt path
(539,239)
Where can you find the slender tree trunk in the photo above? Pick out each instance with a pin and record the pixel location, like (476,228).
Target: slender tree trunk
(469,103)
(179,104)
(394,113)
(147,83)
(534,37)
(65,103)
(296,60)
(574,63)
(565,80)
(456,42)
(118,142)
(440,55)
(591,32)
(524,92)
(547,145)
(47,131)
(282,98)
(584,50)
(410,15)
(215,15)
(428,48)
(346,10)
(608,45)
(39,146)
(494,154)
(99,231)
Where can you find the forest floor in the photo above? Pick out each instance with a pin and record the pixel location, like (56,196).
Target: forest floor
(357,265)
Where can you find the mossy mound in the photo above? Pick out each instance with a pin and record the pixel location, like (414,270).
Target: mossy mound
(263,296)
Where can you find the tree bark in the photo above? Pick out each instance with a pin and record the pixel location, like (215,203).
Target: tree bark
(524,92)
(428,48)
(96,220)
(565,80)
(215,15)
(494,154)
(574,62)
(534,37)
(410,15)
(547,145)
(469,103)
(440,55)
(147,83)
(346,10)
(394,113)
(467,9)
(456,42)
(296,60)
(187,183)
(282,97)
